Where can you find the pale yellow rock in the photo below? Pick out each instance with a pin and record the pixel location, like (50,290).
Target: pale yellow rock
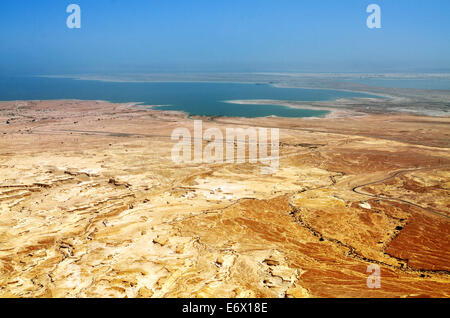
(99,209)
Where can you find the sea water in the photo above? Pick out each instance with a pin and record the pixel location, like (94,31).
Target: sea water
(203,99)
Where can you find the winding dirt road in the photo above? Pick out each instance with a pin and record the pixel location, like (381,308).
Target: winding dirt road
(394,175)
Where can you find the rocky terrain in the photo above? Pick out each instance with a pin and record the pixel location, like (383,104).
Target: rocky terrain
(91,205)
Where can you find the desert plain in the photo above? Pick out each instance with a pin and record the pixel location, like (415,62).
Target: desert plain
(92,205)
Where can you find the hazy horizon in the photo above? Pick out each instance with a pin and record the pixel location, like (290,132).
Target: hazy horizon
(224,36)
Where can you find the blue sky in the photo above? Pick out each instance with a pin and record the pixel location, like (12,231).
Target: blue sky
(223,35)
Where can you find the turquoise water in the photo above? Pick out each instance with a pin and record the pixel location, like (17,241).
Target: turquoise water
(203,99)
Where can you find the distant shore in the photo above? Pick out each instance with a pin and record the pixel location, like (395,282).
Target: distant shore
(332,111)
(427,102)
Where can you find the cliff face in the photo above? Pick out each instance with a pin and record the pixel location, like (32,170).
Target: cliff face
(91,205)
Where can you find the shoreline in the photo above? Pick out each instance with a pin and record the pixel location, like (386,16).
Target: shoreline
(276,85)
(380,100)
(343,109)
(332,112)
(330,81)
